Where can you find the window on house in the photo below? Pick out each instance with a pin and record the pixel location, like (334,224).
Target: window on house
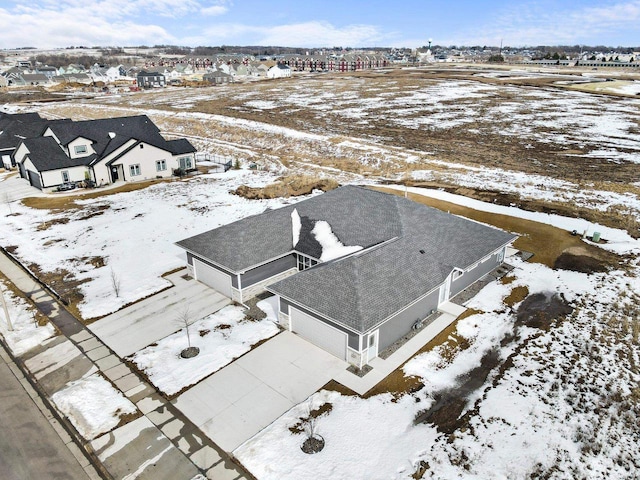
(134,169)
(65,176)
(186,163)
(305,262)
(80,149)
(457,274)
(161,165)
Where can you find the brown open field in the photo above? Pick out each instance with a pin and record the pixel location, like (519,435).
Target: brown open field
(526,135)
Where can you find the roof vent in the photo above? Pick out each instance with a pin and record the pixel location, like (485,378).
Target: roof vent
(112,134)
(422,252)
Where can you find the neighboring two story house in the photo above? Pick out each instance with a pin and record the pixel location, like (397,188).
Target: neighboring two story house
(103,151)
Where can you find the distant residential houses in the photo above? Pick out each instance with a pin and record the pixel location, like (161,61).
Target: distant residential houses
(226,68)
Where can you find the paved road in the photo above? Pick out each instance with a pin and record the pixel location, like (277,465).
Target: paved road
(29,445)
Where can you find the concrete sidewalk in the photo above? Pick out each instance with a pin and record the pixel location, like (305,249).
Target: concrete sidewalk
(383,367)
(161,443)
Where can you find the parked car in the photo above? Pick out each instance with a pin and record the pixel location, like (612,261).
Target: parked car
(65,187)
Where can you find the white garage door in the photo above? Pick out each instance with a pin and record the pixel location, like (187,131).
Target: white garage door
(216,279)
(319,333)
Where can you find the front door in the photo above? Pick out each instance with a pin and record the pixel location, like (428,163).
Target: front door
(372,346)
(114,174)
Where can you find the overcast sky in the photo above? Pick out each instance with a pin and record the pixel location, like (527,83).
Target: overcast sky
(309,23)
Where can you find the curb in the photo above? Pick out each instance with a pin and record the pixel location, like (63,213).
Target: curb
(84,448)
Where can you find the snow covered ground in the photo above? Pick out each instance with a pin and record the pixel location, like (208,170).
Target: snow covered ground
(26,333)
(562,404)
(549,412)
(131,233)
(221,337)
(92,405)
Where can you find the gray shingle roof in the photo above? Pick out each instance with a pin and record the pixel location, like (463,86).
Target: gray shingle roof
(364,289)
(361,290)
(15,127)
(99,131)
(180,146)
(260,238)
(139,127)
(46,154)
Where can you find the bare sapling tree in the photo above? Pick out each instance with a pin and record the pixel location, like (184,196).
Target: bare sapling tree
(115,282)
(184,318)
(310,426)
(313,442)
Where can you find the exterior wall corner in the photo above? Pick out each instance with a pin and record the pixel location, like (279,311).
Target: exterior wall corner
(284,321)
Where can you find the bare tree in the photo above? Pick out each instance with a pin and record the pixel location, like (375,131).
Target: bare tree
(185,320)
(115,282)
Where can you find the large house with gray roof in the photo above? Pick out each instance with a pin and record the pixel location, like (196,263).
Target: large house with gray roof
(353,269)
(104,151)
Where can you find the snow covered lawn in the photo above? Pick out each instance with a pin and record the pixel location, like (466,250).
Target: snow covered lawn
(530,419)
(26,333)
(221,338)
(131,234)
(92,405)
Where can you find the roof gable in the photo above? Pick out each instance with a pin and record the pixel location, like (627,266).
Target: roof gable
(45,155)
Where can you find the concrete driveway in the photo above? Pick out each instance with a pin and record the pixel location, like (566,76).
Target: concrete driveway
(235,403)
(16,188)
(152,319)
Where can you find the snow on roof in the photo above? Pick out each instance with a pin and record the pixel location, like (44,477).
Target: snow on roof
(296,226)
(332,248)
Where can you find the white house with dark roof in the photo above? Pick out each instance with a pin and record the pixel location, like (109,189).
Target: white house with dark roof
(353,269)
(104,151)
(279,71)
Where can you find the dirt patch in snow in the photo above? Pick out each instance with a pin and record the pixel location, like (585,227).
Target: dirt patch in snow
(323,409)
(579,263)
(290,186)
(518,294)
(541,310)
(449,404)
(64,284)
(56,221)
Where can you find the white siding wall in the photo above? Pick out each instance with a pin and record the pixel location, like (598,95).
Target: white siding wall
(146,157)
(20,153)
(54,177)
(80,142)
(102,176)
(28,166)
(102,173)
